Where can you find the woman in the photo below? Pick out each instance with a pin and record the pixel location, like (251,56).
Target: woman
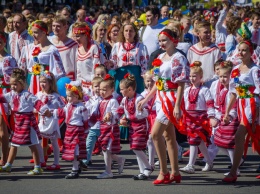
(99,36)
(112,34)
(87,56)
(171,71)
(43,56)
(9,27)
(7,64)
(244,86)
(128,50)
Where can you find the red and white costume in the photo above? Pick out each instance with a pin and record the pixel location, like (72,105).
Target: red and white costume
(199,106)
(124,54)
(255,35)
(26,127)
(76,118)
(49,60)
(138,124)
(49,127)
(85,66)
(225,134)
(109,132)
(16,42)
(208,56)
(68,53)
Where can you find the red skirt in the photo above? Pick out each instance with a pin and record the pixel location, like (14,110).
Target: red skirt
(138,134)
(193,129)
(110,133)
(225,135)
(75,135)
(151,119)
(23,124)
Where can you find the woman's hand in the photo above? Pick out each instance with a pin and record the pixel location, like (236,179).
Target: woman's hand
(226,119)
(47,113)
(177,112)
(140,105)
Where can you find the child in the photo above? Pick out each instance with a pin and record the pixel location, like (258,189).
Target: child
(49,127)
(76,117)
(255,28)
(199,106)
(109,131)
(100,71)
(26,131)
(138,128)
(224,136)
(94,132)
(149,83)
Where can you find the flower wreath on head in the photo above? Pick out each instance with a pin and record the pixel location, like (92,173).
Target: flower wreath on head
(73,88)
(34,23)
(46,74)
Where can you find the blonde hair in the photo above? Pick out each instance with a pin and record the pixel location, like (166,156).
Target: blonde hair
(227,65)
(60,19)
(80,92)
(196,67)
(102,17)
(202,24)
(94,30)
(177,27)
(52,82)
(96,80)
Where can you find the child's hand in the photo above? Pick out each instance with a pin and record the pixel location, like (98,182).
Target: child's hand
(213,122)
(226,119)
(47,113)
(123,122)
(107,117)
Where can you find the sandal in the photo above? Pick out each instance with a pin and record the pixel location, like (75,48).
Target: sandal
(53,167)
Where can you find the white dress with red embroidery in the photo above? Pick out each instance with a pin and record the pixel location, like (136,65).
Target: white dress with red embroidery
(49,127)
(215,90)
(7,64)
(176,70)
(109,132)
(124,54)
(76,118)
(26,128)
(50,60)
(68,53)
(234,57)
(207,56)
(199,104)
(85,67)
(92,106)
(138,123)
(16,42)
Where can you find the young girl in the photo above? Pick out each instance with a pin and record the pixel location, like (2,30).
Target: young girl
(138,126)
(49,127)
(224,136)
(199,106)
(149,83)
(109,131)
(26,130)
(76,116)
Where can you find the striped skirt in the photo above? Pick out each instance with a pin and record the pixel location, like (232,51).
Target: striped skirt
(138,137)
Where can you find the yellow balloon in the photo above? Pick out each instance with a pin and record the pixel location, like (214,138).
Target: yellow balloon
(183,8)
(143,18)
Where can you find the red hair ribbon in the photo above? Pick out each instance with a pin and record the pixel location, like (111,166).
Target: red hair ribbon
(171,38)
(249,44)
(182,28)
(126,75)
(41,28)
(96,65)
(3,38)
(107,77)
(192,65)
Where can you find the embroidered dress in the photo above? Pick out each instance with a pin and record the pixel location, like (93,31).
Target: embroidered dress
(124,54)
(26,128)
(109,132)
(234,57)
(41,60)
(16,42)
(85,67)
(199,105)
(255,35)
(225,134)
(167,77)
(208,56)
(49,127)
(76,118)
(138,124)
(68,54)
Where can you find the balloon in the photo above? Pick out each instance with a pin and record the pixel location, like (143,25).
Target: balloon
(61,83)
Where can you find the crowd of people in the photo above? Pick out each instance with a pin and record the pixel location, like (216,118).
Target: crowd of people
(154,75)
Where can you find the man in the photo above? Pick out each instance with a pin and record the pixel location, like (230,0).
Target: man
(19,38)
(26,12)
(81,15)
(66,46)
(149,34)
(164,12)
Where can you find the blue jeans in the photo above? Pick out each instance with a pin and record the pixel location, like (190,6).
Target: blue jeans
(90,143)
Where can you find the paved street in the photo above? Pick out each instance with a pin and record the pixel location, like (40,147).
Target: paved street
(54,182)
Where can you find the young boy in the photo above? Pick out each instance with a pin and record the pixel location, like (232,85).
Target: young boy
(255,28)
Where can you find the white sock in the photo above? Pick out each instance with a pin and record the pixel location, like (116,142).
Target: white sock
(212,149)
(56,151)
(142,162)
(204,151)
(193,154)
(151,150)
(75,164)
(108,160)
(40,151)
(231,155)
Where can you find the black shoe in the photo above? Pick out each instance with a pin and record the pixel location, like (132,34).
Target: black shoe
(83,165)
(140,177)
(72,175)
(90,163)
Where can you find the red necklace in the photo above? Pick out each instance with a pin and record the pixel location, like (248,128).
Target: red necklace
(219,89)
(193,94)
(128,46)
(130,105)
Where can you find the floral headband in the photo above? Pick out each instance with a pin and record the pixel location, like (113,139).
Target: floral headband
(74,89)
(82,30)
(249,44)
(46,74)
(170,37)
(34,24)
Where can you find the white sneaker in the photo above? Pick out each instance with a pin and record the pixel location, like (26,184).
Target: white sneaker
(121,166)
(189,169)
(105,175)
(238,173)
(157,163)
(208,167)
